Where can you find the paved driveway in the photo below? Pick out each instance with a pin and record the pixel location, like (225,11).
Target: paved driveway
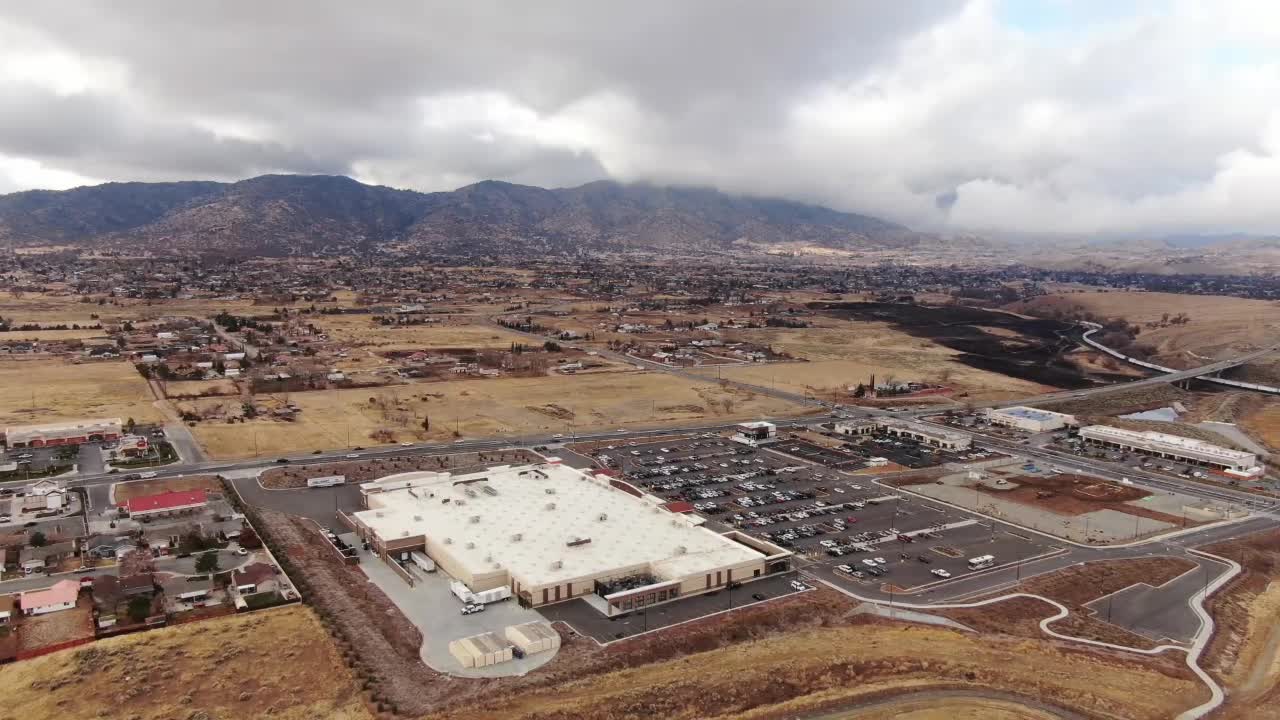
(436,612)
(319,504)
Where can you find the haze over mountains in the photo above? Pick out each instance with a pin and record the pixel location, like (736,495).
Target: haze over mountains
(282,215)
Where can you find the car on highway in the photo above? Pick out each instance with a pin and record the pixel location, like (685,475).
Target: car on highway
(557,436)
(282,461)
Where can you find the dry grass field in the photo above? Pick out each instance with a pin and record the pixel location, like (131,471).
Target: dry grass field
(360,331)
(839,666)
(48,390)
(480,408)
(53,308)
(276,663)
(1217,326)
(52,335)
(847,353)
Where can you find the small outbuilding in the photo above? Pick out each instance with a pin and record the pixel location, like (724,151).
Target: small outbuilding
(480,650)
(533,637)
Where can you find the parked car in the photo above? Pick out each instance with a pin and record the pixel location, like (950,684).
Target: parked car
(472,608)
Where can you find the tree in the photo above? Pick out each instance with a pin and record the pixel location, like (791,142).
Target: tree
(38,539)
(426,423)
(139,608)
(249,539)
(129,426)
(207,563)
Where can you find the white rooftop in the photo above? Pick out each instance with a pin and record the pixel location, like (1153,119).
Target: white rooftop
(529,514)
(1170,443)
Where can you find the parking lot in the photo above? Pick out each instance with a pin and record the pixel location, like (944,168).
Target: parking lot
(857,453)
(829,518)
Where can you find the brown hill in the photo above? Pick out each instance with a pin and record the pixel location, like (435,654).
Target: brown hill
(280,215)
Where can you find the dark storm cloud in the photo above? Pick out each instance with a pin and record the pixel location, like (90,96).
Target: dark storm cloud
(1135,121)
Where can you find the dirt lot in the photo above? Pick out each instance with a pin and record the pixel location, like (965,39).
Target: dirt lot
(482,408)
(42,631)
(1245,651)
(235,667)
(364,471)
(140,488)
(49,390)
(1078,494)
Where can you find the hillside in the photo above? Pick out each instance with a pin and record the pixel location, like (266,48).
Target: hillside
(280,215)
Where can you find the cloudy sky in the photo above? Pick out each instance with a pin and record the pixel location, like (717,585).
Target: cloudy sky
(1078,116)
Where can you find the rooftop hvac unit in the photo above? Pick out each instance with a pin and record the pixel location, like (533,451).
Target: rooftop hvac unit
(471,546)
(475,518)
(378,514)
(549,491)
(578,541)
(404,533)
(558,564)
(488,558)
(459,501)
(417,518)
(448,541)
(469,492)
(490,490)
(517,537)
(681,550)
(551,506)
(603,517)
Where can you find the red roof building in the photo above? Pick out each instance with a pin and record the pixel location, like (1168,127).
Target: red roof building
(166,503)
(679,506)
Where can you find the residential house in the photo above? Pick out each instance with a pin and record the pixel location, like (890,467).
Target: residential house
(188,590)
(106,547)
(8,604)
(107,593)
(62,596)
(31,559)
(255,578)
(165,538)
(140,585)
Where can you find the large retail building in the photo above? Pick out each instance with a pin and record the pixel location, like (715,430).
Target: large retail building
(552,533)
(1030,419)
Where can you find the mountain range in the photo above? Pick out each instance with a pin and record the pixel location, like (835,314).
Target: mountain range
(284,215)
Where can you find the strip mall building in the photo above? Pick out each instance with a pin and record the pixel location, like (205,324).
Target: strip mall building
(65,433)
(553,533)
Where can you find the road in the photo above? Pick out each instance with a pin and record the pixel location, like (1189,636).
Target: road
(167,564)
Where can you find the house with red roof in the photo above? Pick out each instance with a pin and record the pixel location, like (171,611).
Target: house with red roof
(62,596)
(166,504)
